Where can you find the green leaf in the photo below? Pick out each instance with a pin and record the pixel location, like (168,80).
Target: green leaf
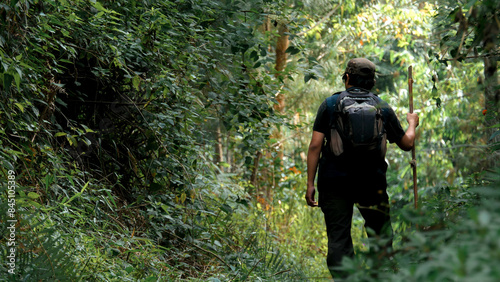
(71,140)
(111,199)
(495,134)
(33,195)
(58,134)
(99,7)
(48,180)
(19,106)
(293,50)
(263,51)
(66,201)
(254,55)
(165,208)
(129,269)
(226,208)
(35,204)
(87,130)
(309,76)
(136,81)
(17,79)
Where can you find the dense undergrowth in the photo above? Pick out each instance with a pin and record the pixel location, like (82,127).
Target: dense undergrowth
(110,115)
(88,235)
(85,236)
(453,237)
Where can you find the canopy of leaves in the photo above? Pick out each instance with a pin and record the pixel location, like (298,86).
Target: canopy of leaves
(109,113)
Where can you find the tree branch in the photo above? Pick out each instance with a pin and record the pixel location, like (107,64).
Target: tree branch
(320,21)
(472,57)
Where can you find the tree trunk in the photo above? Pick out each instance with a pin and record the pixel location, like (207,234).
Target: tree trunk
(281,46)
(255,170)
(281,56)
(282,42)
(491,91)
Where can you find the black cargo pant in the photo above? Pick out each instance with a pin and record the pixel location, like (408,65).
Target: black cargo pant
(338,211)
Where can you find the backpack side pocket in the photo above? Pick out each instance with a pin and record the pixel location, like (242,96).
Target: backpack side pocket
(336,145)
(382,134)
(383,145)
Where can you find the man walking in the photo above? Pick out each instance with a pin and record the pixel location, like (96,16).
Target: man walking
(351,169)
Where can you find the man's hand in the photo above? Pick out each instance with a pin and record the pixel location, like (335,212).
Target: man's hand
(412,119)
(408,140)
(310,196)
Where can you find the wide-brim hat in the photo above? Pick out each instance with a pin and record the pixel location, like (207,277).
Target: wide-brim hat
(361,66)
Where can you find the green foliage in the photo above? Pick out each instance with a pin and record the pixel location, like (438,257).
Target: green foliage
(455,241)
(31,245)
(114,116)
(464,27)
(452,139)
(109,116)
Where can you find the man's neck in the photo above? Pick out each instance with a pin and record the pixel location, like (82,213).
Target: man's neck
(355,88)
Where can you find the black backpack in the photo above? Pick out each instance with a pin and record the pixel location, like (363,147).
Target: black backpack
(356,123)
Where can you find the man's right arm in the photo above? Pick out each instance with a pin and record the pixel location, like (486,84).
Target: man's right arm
(407,142)
(321,124)
(313,155)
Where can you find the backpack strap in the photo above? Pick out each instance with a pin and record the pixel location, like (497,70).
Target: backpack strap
(383,110)
(331,102)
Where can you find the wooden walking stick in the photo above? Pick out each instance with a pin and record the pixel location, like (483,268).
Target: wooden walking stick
(413,161)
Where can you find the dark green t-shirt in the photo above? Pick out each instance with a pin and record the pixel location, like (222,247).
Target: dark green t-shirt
(351,173)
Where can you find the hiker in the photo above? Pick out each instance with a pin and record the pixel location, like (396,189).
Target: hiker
(352,167)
